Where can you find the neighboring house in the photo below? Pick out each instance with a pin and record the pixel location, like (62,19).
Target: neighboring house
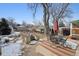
(24,28)
(74,29)
(21,28)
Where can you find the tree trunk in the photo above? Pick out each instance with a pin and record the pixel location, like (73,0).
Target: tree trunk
(46,20)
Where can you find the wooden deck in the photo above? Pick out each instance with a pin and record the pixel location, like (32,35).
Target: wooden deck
(57,50)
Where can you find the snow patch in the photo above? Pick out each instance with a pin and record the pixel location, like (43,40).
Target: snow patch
(13,49)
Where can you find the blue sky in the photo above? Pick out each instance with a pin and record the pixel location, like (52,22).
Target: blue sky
(75,9)
(21,12)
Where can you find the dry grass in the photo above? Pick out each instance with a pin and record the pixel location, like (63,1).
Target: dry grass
(39,35)
(29,50)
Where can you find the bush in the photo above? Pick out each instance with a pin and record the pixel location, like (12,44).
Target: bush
(4,27)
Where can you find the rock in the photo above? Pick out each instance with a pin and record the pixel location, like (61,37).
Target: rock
(33,42)
(4,39)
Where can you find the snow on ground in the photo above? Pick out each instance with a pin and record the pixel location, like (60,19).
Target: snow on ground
(12,49)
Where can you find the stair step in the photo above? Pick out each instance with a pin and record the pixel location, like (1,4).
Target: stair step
(65,48)
(57,50)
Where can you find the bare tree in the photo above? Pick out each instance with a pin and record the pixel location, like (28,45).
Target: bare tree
(59,11)
(46,17)
(55,10)
(38,23)
(11,22)
(24,23)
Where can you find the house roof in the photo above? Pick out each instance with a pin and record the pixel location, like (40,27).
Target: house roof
(76,23)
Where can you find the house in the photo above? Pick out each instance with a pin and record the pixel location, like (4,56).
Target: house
(74,29)
(74,26)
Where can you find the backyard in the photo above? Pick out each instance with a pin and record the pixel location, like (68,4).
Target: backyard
(40,29)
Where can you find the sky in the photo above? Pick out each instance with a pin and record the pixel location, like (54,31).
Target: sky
(20,12)
(75,10)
